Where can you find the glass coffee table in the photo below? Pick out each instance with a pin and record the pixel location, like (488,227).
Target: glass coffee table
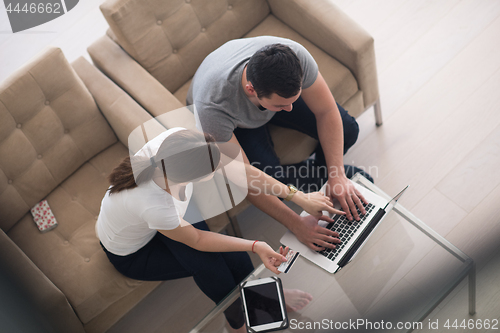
(401,274)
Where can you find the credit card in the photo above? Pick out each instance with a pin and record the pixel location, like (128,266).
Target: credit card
(291,257)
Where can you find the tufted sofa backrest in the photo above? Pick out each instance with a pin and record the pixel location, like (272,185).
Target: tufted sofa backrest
(49,126)
(170,38)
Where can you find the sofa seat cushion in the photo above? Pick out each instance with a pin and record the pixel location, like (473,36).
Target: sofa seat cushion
(340,80)
(70,255)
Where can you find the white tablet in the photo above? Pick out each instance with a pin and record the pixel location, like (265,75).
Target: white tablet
(264,305)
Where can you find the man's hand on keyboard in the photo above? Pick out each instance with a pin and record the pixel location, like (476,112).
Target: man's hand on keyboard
(348,196)
(316,237)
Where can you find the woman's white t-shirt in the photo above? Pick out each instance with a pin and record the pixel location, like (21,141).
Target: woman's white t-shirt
(130,218)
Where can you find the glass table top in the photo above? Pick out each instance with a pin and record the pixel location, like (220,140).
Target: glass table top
(399,276)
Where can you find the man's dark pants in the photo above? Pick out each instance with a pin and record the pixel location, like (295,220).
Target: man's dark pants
(308,175)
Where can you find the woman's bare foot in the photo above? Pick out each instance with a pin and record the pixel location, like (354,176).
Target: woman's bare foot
(296,299)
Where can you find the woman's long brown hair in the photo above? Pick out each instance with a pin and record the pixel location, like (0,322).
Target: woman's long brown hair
(180,167)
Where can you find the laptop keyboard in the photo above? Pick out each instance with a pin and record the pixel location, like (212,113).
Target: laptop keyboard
(346,230)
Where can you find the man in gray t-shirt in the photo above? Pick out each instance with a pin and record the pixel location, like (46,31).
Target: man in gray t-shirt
(218,95)
(247,83)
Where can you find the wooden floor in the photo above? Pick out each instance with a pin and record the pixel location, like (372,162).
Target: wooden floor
(439,76)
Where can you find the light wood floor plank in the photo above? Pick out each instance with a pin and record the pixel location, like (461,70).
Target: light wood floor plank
(439,151)
(414,19)
(488,306)
(420,62)
(477,175)
(478,233)
(388,146)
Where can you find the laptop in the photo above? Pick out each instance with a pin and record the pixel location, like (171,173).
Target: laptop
(353,234)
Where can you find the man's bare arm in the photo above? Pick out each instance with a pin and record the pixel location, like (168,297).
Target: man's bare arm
(306,229)
(321,102)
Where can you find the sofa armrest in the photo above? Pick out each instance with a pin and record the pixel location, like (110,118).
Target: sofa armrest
(325,25)
(121,111)
(50,303)
(113,61)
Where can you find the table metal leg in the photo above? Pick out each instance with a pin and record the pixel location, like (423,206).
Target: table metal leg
(472,289)
(378,113)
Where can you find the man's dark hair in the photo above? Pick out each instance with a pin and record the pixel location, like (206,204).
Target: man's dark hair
(276,69)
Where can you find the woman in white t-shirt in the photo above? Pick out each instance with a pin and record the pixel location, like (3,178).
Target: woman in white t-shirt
(144,235)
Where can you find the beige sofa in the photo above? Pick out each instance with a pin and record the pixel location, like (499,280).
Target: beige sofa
(62,129)
(153,49)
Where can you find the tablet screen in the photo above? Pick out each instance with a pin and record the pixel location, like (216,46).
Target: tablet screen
(263,305)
